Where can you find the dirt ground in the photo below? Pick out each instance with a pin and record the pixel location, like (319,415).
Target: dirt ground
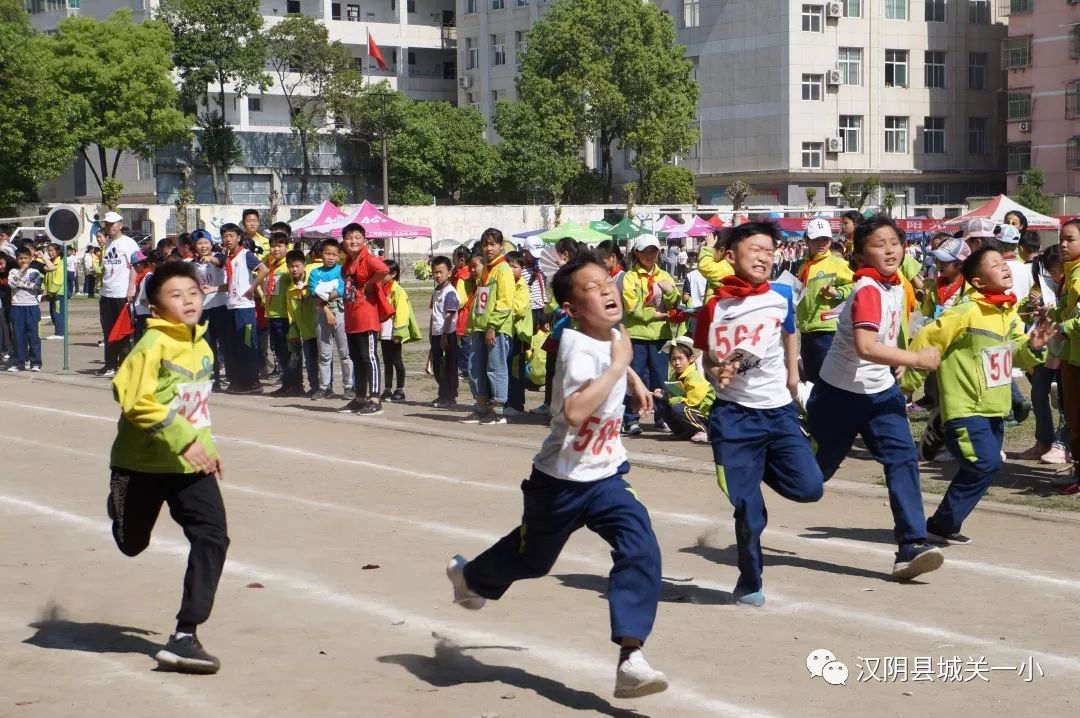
(334,601)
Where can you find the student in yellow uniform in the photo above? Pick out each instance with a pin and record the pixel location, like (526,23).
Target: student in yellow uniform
(523,330)
(303,345)
(490,327)
(827,282)
(395,332)
(688,396)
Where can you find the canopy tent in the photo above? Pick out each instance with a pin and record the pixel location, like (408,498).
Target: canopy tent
(666,224)
(717,221)
(376,225)
(529,233)
(575,231)
(998,207)
(697,227)
(626,229)
(323,214)
(600,225)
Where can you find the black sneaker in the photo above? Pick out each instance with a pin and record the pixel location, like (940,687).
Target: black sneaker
(633,429)
(385,395)
(321,394)
(255,388)
(110,507)
(943,539)
(216,387)
(186,655)
(371,408)
(1021,411)
(915,559)
(398,397)
(353,407)
(492,418)
(103,371)
(932,440)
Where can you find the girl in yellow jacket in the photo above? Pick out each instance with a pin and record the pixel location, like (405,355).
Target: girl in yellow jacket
(649,293)
(523,330)
(395,332)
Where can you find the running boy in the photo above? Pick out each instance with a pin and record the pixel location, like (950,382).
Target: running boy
(164,453)
(442,330)
(577,480)
(979,342)
(857,392)
(747,332)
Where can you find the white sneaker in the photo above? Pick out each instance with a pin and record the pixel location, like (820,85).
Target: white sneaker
(463,595)
(700,438)
(55,337)
(541,410)
(636,678)
(1056,455)
(803,392)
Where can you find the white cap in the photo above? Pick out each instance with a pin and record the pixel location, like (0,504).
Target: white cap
(533,245)
(979,227)
(645,241)
(112,217)
(1009,234)
(818,228)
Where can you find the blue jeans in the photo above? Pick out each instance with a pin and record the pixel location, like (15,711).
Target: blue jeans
(651,365)
(1045,434)
(25,321)
(751,446)
(488,378)
(975,441)
(813,348)
(242,356)
(553,510)
(56,314)
(73,284)
(835,417)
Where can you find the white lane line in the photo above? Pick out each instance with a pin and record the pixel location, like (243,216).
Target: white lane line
(846,545)
(557,656)
(779,601)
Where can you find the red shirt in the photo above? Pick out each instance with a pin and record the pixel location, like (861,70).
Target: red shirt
(361,312)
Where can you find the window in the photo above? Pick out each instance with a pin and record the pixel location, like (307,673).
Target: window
(896,68)
(1016,52)
(852,8)
(470,9)
(1018,105)
(1074,42)
(934,63)
(472,54)
(691,13)
(254,104)
(979,12)
(498,4)
(935,10)
(519,43)
(851,132)
(977,74)
(933,135)
(896,9)
(978,135)
(813,18)
(1072,153)
(1017,7)
(292,7)
(410,6)
(498,51)
(335,11)
(811,154)
(1072,100)
(352,13)
(896,135)
(933,192)
(522,3)
(813,87)
(849,60)
(1019,154)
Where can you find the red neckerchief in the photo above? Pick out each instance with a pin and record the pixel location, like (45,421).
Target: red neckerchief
(877,276)
(614,271)
(1004,300)
(271,281)
(462,273)
(228,263)
(487,270)
(805,273)
(1008,255)
(736,288)
(651,284)
(946,289)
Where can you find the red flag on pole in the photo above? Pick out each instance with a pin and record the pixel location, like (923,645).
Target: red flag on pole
(373,51)
(124,326)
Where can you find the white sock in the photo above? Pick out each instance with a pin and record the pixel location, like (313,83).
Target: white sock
(178,635)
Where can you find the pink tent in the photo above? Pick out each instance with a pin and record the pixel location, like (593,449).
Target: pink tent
(998,207)
(376,225)
(697,227)
(667,224)
(323,214)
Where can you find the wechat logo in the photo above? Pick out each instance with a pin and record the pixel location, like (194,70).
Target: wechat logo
(823,664)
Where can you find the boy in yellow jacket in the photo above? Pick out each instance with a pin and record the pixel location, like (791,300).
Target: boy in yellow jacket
(523,331)
(303,344)
(1067,313)
(490,327)
(979,341)
(164,453)
(827,282)
(395,332)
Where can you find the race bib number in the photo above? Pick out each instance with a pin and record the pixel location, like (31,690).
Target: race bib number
(751,339)
(997,366)
(483,296)
(597,437)
(193,402)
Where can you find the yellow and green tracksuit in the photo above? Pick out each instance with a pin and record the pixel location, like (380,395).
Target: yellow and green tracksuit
(1067,313)
(162,388)
(642,319)
(276,303)
(687,402)
(712,268)
(816,313)
(405,326)
(523,323)
(496,310)
(301,310)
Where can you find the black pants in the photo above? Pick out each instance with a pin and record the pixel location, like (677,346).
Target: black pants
(365,361)
(444,365)
(109,309)
(195,504)
(395,364)
(89,282)
(7,331)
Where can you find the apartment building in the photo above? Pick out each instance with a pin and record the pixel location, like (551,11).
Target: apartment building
(1042,60)
(418,42)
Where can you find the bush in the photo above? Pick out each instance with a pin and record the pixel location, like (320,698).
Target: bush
(421,270)
(671,185)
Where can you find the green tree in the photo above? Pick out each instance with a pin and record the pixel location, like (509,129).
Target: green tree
(1030,193)
(855,193)
(118,88)
(33,124)
(318,79)
(671,185)
(613,70)
(539,149)
(218,146)
(738,192)
(216,44)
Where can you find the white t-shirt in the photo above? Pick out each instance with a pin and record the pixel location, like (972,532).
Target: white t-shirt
(1021,276)
(142,304)
(72,263)
(696,286)
(444,307)
(116,267)
(872,306)
(243,264)
(752,326)
(88,261)
(594,450)
(212,276)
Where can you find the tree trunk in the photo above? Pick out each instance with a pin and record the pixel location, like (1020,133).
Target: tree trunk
(221,107)
(116,162)
(93,170)
(305,172)
(214,182)
(609,176)
(104,163)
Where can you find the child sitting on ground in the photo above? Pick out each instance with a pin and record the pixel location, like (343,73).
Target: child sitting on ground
(687,397)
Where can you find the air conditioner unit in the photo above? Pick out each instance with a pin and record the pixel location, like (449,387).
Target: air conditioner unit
(834,145)
(833,190)
(833,77)
(465,81)
(1025,126)
(1021,178)
(834,9)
